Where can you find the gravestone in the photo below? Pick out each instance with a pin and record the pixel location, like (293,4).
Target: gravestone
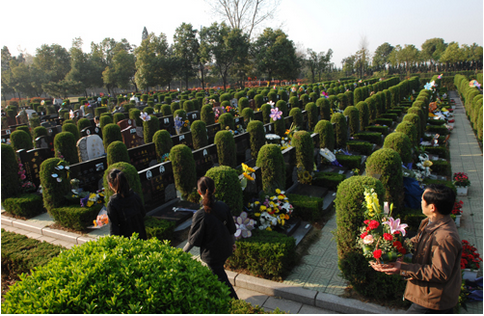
(193,116)
(252,104)
(157,184)
(142,156)
(32,159)
(89,173)
(6,135)
(205,158)
(52,131)
(166,122)
(22,118)
(211,131)
(44,141)
(234,103)
(258,116)
(129,133)
(185,139)
(242,145)
(90,147)
(91,130)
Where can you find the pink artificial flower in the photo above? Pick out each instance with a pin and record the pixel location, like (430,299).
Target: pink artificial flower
(395,225)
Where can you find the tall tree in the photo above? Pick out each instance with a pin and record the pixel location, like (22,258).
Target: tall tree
(149,56)
(227,47)
(432,49)
(6,73)
(245,15)
(349,65)
(186,48)
(409,55)
(380,57)
(120,73)
(452,55)
(362,58)
(53,62)
(324,62)
(313,63)
(275,55)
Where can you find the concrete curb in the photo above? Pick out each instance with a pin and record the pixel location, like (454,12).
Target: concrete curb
(306,296)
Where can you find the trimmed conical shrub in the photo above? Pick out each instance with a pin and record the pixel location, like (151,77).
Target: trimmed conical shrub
(401,144)
(227,187)
(20,140)
(304,145)
(199,134)
(65,146)
(226,151)
(111,133)
(71,128)
(184,170)
(340,129)
(117,151)
(163,142)
(273,168)
(326,134)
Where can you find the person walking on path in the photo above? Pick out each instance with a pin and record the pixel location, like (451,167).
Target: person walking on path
(434,276)
(125,210)
(213,231)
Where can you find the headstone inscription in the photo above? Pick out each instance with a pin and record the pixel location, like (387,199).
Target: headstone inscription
(157,183)
(89,173)
(91,130)
(193,116)
(211,131)
(242,146)
(205,158)
(166,122)
(185,139)
(142,156)
(44,141)
(129,133)
(32,159)
(90,147)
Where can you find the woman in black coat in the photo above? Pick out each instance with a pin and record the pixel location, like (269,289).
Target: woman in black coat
(213,231)
(125,210)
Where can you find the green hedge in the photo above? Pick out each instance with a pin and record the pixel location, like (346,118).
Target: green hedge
(75,216)
(144,277)
(26,205)
(159,228)
(10,183)
(401,144)
(349,162)
(373,137)
(380,129)
(307,208)
(442,130)
(267,253)
(441,167)
(364,148)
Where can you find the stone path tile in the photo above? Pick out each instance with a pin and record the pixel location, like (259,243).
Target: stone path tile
(290,307)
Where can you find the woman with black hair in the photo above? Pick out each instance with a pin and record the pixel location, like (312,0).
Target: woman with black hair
(125,210)
(213,231)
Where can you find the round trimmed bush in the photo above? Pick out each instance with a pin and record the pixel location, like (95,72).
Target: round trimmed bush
(71,128)
(364,114)
(111,133)
(227,187)
(207,115)
(21,140)
(303,143)
(169,270)
(257,137)
(34,121)
(83,123)
(53,192)
(248,115)
(65,145)
(150,127)
(354,114)
(226,151)
(410,130)
(297,117)
(163,142)
(358,95)
(326,134)
(188,106)
(387,163)
(259,100)
(117,151)
(266,113)
(273,168)
(415,120)
(184,170)
(340,129)
(68,122)
(118,117)
(39,131)
(324,108)
(282,106)
(199,134)
(283,95)
(166,110)
(243,103)
(388,99)
(10,177)
(294,101)
(225,97)
(226,120)
(349,96)
(134,114)
(401,144)
(313,115)
(99,110)
(304,98)
(279,126)
(105,120)
(272,96)
(343,101)
(372,109)
(149,110)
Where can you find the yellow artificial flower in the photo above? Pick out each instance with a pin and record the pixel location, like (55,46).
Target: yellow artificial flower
(257,214)
(283,222)
(263,208)
(427,163)
(257,202)
(248,177)
(280,197)
(278,191)
(269,228)
(282,216)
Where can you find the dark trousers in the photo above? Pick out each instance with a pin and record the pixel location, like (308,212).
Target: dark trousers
(417,309)
(219,271)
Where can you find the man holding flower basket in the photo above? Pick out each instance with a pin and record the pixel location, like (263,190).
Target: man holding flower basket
(434,276)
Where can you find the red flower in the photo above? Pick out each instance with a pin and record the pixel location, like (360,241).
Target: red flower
(363,235)
(387,236)
(397,244)
(377,254)
(366,222)
(373,224)
(396,233)
(402,250)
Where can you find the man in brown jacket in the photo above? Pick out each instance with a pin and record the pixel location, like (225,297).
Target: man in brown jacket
(434,276)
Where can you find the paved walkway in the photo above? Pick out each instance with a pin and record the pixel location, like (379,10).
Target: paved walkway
(314,286)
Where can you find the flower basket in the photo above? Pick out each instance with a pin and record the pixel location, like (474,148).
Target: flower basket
(461,191)
(457,220)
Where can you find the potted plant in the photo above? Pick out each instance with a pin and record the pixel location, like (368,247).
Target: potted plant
(461,182)
(457,211)
(469,262)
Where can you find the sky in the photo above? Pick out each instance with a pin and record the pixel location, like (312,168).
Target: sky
(341,25)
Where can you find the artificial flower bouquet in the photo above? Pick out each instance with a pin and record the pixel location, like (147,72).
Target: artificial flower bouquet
(244,226)
(381,237)
(273,212)
(470,257)
(460,179)
(89,199)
